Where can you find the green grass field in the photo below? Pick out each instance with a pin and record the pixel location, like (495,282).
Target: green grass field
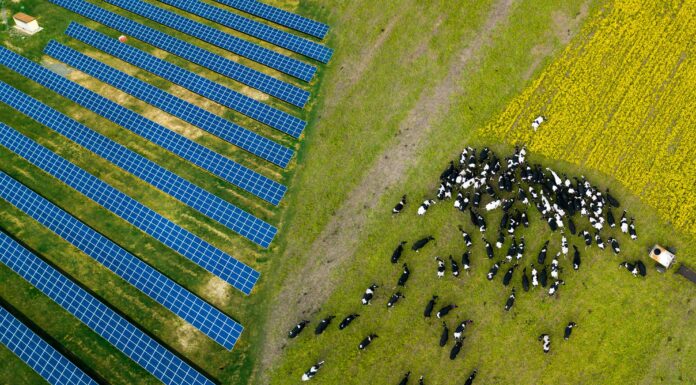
(408,86)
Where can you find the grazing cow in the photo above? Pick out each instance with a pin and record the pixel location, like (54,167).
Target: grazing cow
(445,334)
(429,307)
(500,241)
(404,276)
(466,264)
(554,266)
(588,238)
(535,279)
(445,310)
(564,244)
(309,374)
(323,324)
(543,277)
(493,271)
(635,268)
(489,248)
(598,240)
(470,379)
(440,267)
(571,226)
(295,331)
(641,268)
(395,298)
(576,258)
(460,328)
(346,321)
(542,254)
(369,293)
(525,220)
(477,199)
(512,250)
(554,288)
(494,205)
(610,219)
(425,206)
(399,206)
(419,244)
(525,280)
(397,252)
(508,275)
(367,341)
(624,223)
(510,301)
(520,248)
(538,121)
(455,349)
(568,330)
(546,339)
(455,267)
(614,245)
(404,381)
(465,235)
(449,172)
(612,201)
(421,381)
(632,230)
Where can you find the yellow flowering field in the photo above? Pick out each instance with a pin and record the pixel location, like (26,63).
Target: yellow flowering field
(621,99)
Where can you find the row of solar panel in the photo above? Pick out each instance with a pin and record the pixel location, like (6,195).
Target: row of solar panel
(131,341)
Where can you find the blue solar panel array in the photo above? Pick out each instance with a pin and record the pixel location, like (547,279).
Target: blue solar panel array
(254,109)
(205,120)
(159,177)
(190,246)
(225,168)
(130,340)
(279,16)
(154,284)
(272,59)
(308,48)
(260,81)
(37,353)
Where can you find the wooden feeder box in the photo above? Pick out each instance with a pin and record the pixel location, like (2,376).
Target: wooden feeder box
(662,256)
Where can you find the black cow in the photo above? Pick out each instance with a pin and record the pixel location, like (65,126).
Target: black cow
(543,277)
(404,381)
(445,310)
(470,380)
(525,280)
(510,301)
(429,307)
(399,206)
(346,321)
(323,324)
(369,293)
(394,298)
(404,276)
(508,275)
(456,348)
(546,339)
(419,244)
(571,226)
(493,271)
(397,252)
(295,331)
(489,249)
(610,219)
(568,330)
(367,341)
(612,201)
(576,258)
(445,334)
(641,268)
(542,253)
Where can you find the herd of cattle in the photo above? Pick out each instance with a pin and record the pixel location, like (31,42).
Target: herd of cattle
(510,185)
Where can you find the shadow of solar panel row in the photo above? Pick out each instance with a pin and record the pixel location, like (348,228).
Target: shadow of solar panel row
(123,335)
(190,246)
(254,143)
(306,47)
(216,92)
(37,353)
(152,283)
(279,16)
(197,154)
(216,63)
(233,44)
(134,163)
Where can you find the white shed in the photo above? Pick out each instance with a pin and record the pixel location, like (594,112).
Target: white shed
(26,23)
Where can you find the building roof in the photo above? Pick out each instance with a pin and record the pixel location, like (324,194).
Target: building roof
(23,17)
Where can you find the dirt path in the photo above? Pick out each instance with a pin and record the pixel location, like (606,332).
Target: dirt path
(340,239)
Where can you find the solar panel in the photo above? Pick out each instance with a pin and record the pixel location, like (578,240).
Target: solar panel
(253,28)
(231,69)
(254,109)
(190,246)
(145,169)
(279,16)
(38,354)
(205,120)
(152,283)
(123,335)
(215,163)
(267,57)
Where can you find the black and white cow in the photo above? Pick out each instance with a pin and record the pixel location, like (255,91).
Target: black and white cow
(576,258)
(510,301)
(456,348)
(297,329)
(346,321)
(624,223)
(369,293)
(542,253)
(546,340)
(568,330)
(466,262)
(555,269)
(395,298)
(493,271)
(614,245)
(455,267)
(500,241)
(520,248)
(554,287)
(564,244)
(404,276)
(399,206)
(440,267)
(323,324)
(445,310)
(445,334)
(636,268)
(632,230)
(425,206)
(535,277)
(598,240)
(460,328)
(470,379)
(367,341)
(419,244)
(489,248)
(309,374)
(508,275)
(421,381)
(397,252)
(466,236)
(429,307)
(587,236)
